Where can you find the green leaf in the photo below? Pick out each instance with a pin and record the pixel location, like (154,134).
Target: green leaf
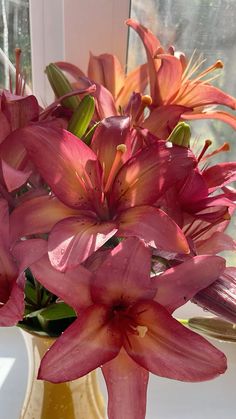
(30,292)
(56,311)
(82,116)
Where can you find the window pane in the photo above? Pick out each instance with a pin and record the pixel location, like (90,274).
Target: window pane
(14,32)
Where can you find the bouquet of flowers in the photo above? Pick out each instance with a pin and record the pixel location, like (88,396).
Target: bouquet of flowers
(110,220)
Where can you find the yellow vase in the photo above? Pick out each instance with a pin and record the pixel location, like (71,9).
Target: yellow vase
(78,399)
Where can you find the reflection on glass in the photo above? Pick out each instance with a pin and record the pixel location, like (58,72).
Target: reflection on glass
(14,32)
(206,27)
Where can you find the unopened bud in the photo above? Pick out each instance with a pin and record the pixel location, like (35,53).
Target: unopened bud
(214,327)
(61,86)
(180,135)
(82,116)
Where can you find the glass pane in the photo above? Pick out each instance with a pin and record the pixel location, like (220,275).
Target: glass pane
(14,32)
(206,27)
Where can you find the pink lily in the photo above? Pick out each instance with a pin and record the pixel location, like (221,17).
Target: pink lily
(12,266)
(175,91)
(124,325)
(103,190)
(114,87)
(15,112)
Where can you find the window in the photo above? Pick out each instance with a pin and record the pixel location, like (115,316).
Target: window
(15,32)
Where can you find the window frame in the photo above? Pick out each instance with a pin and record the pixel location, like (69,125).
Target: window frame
(57,25)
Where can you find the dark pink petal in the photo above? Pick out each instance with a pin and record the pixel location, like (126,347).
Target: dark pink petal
(180,283)
(136,81)
(27,252)
(73,287)
(108,135)
(151,44)
(74,239)
(71,69)
(169,349)
(106,69)
(20,110)
(193,189)
(13,152)
(88,343)
(169,77)
(163,119)
(38,215)
(221,115)
(105,103)
(155,227)
(127,387)
(14,178)
(219,175)
(124,276)
(197,94)
(148,174)
(5,127)
(217,242)
(73,174)
(12,311)
(4,222)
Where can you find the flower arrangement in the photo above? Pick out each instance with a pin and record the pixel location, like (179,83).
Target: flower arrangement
(110,221)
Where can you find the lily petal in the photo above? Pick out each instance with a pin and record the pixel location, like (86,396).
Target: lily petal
(74,239)
(110,133)
(169,349)
(221,115)
(73,287)
(217,242)
(179,284)
(219,175)
(163,119)
(14,178)
(199,94)
(118,279)
(105,103)
(106,69)
(38,215)
(136,81)
(87,344)
(144,177)
(127,387)
(74,174)
(168,78)
(12,311)
(20,110)
(155,227)
(151,44)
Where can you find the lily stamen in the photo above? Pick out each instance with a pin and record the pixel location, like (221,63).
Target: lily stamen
(222,148)
(120,150)
(18,73)
(207,144)
(139,330)
(146,101)
(218,64)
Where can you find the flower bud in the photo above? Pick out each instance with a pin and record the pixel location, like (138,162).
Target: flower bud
(180,135)
(220,297)
(214,327)
(61,86)
(82,116)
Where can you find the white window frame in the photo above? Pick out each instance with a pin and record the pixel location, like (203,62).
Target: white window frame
(69,29)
